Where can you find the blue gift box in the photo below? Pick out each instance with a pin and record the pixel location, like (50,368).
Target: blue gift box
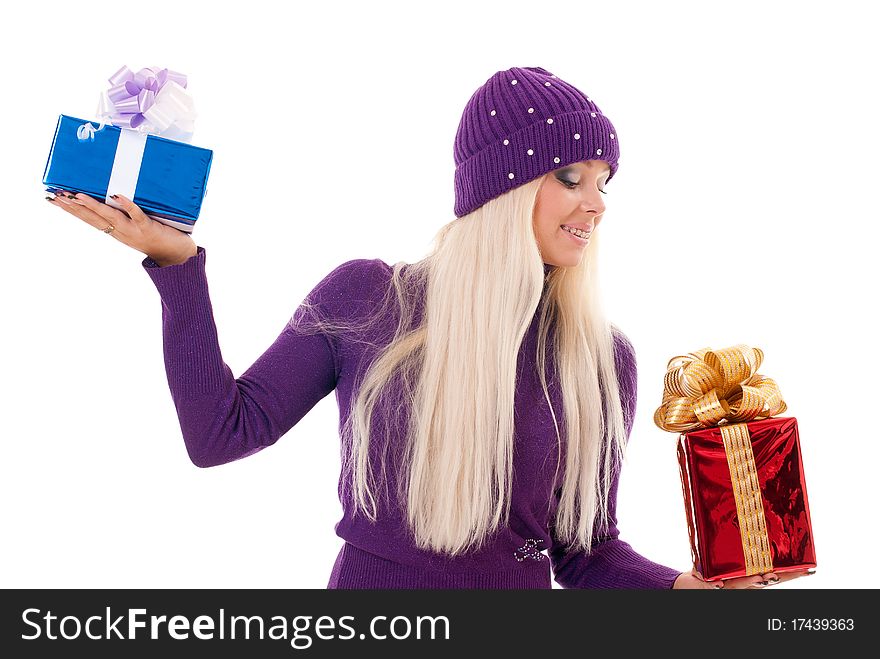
(168,178)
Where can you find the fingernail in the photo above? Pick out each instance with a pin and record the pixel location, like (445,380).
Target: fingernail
(49,198)
(71,196)
(113,196)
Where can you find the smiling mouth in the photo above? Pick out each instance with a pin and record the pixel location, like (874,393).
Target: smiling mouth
(576,232)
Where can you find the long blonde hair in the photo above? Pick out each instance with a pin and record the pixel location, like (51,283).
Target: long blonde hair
(455,373)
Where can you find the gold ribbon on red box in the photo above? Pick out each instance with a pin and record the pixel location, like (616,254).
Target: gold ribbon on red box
(707,387)
(722,388)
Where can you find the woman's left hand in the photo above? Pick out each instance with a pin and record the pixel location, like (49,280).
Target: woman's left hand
(692,579)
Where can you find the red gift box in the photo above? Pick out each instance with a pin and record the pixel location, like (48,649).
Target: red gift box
(742,475)
(746,501)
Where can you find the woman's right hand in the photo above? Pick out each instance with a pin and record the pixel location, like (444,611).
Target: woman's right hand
(164,244)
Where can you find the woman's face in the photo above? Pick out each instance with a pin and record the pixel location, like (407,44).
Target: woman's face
(570,196)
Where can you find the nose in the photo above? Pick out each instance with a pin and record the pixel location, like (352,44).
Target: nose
(594,211)
(592,202)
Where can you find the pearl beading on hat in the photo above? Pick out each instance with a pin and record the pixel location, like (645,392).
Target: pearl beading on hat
(478,154)
(530,152)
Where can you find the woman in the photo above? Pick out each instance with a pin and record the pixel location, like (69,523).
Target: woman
(485,402)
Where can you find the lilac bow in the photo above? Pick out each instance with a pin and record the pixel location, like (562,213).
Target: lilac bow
(150,101)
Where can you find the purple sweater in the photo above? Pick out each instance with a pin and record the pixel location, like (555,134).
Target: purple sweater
(224,418)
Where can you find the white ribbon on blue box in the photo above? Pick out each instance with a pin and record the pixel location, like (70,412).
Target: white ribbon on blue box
(126,165)
(164,177)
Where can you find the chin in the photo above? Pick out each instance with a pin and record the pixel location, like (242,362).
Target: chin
(569,262)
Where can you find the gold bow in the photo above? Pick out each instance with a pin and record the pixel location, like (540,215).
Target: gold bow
(707,387)
(723,388)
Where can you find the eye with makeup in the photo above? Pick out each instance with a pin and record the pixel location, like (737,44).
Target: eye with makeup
(571,185)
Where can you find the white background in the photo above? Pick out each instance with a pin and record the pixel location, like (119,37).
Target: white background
(744,211)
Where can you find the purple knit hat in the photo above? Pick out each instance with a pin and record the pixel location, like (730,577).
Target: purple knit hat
(521,124)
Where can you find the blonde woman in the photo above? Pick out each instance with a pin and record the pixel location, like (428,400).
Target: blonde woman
(485,401)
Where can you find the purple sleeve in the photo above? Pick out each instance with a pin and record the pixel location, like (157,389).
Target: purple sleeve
(224,418)
(613,563)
